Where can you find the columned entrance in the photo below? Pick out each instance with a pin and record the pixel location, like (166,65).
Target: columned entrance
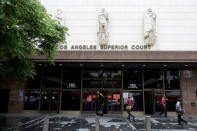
(72,87)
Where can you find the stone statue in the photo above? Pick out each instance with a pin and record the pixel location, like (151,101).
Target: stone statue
(149,27)
(59,17)
(103,21)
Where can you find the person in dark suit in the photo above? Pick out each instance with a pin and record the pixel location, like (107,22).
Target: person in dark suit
(99,103)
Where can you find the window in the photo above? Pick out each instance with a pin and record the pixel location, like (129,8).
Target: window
(32,98)
(52,77)
(114,101)
(110,74)
(172,81)
(153,79)
(35,83)
(102,79)
(171,99)
(89,101)
(138,98)
(132,79)
(70,100)
(158,97)
(71,79)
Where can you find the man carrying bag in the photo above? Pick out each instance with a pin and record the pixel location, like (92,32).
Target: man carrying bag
(99,103)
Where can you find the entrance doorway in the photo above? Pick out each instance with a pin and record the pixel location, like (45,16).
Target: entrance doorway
(152,102)
(4,98)
(49,100)
(149,102)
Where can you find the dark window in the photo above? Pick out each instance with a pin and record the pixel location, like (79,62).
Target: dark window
(92,84)
(172,99)
(196,94)
(133,79)
(110,74)
(172,81)
(70,100)
(35,83)
(49,100)
(71,79)
(32,100)
(138,98)
(113,74)
(89,101)
(102,79)
(114,101)
(91,73)
(158,97)
(153,79)
(52,77)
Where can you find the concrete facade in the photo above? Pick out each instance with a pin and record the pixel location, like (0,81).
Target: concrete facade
(176,22)
(189,89)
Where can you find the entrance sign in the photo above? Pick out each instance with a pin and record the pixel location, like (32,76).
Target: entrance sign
(71,85)
(132,86)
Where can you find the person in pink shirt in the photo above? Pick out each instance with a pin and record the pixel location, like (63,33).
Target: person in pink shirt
(163,110)
(130,104)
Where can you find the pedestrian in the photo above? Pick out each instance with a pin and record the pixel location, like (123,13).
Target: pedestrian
(163,107)
(129,107)
(180,112)
(99,103)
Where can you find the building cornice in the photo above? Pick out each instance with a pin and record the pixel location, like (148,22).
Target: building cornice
(122,56)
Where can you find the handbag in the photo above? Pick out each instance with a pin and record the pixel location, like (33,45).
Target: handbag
(128,108)
(100,112)
(180,111)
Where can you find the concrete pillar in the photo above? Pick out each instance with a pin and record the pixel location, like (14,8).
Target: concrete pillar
(97,123)
(148,123)
(46,124)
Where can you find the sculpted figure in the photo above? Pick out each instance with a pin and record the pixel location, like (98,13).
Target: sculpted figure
(102,34)
(59,17)
(149,27)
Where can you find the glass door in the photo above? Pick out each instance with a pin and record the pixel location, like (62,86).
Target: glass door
(49,100)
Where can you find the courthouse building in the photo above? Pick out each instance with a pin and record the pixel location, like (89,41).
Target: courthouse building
(125,47)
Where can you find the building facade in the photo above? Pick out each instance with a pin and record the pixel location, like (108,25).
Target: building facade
(140,48)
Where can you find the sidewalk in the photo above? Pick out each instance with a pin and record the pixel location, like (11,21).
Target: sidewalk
(35,122)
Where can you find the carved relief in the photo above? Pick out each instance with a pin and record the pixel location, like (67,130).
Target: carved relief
(149,27)
(103,33)
(59,16)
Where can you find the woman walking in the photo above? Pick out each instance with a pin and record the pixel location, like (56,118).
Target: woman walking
(130,104)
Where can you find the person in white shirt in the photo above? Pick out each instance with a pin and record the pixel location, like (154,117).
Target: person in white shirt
(180,112)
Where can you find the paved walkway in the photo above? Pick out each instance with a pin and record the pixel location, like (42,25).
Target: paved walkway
(35,122)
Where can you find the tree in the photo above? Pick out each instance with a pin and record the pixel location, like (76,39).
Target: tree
(26,29)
